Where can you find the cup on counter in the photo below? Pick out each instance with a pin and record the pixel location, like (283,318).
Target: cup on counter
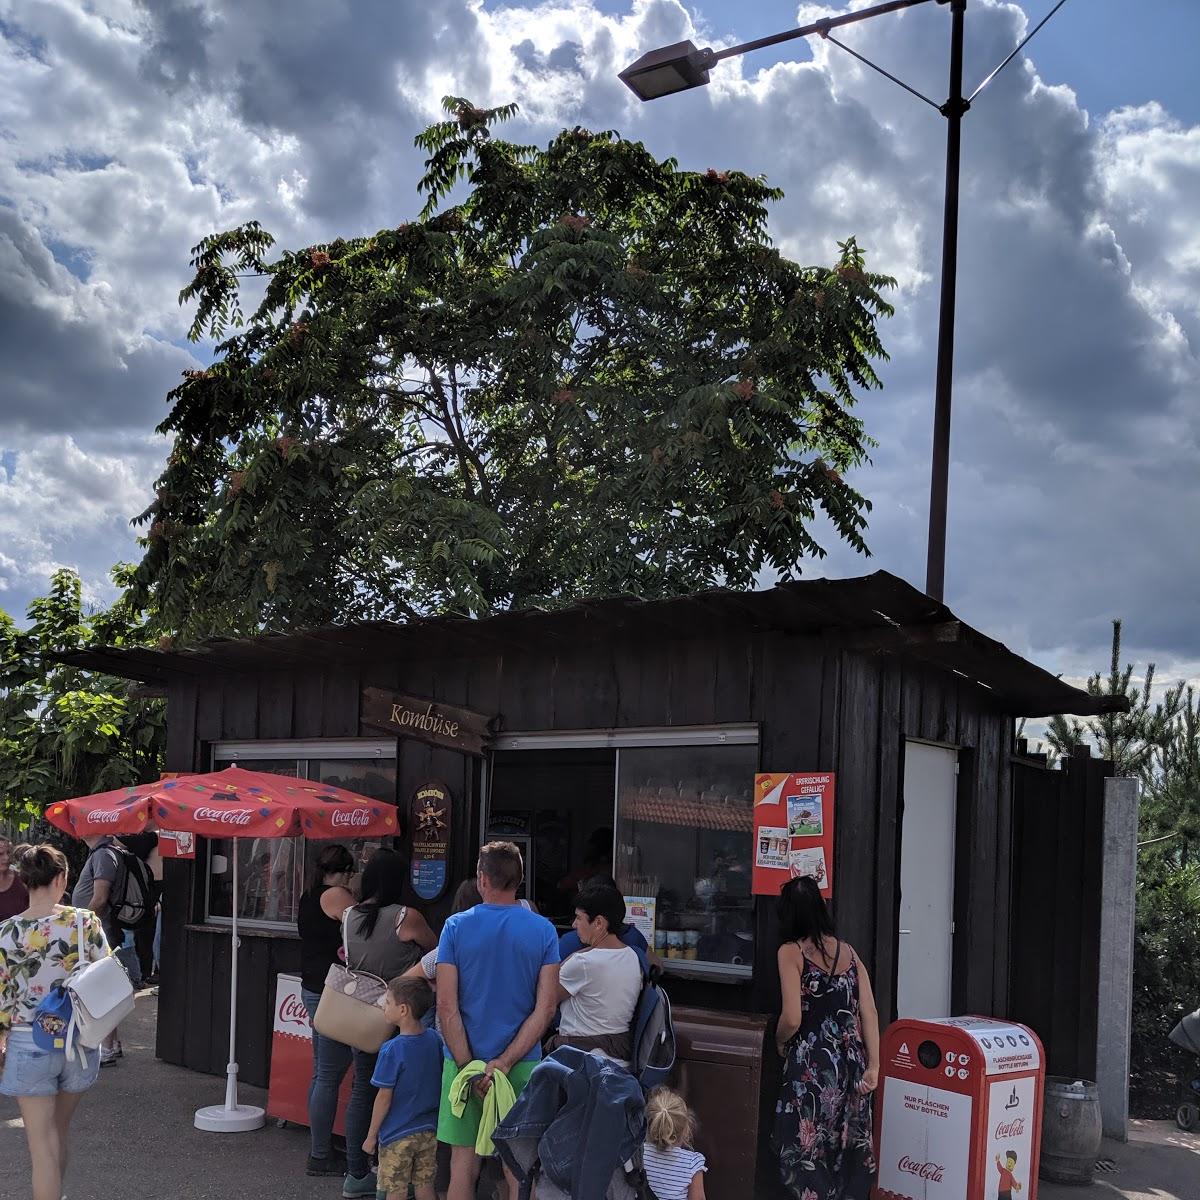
(675,943)
(691,943)
(660,943)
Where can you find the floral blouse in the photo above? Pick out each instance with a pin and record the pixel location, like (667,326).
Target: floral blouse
(38,952)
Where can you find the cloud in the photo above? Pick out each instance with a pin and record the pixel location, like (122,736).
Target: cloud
(131,130)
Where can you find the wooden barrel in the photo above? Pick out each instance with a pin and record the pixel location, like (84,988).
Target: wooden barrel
(1071,1131)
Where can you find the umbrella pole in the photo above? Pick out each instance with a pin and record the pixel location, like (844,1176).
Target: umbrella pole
(232,1117)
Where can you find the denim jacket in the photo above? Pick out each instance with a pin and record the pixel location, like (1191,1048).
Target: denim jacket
(577,1125)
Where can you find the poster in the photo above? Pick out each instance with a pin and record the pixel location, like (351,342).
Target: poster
(639,912)
(176,845)
(772,850)
(430,814)
(793,830)
(924,1151)
(1010,1136)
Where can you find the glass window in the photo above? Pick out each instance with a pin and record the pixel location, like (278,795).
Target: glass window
(684,837)
(272,872)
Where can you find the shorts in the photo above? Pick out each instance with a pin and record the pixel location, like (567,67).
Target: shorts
(411,1160)
(462,1131)
(29,1071)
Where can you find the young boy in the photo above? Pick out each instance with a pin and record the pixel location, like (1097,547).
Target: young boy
(408,1075)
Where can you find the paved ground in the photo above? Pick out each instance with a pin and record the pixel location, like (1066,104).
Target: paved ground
(147,1102)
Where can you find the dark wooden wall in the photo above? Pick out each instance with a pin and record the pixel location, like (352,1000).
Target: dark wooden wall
(1058,829)
(820,707)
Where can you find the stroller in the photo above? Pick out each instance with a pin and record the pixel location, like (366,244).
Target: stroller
(1186,1035)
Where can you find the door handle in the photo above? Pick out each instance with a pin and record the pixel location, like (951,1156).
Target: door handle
(906,931)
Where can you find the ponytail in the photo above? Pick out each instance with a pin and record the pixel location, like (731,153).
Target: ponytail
(669,1121)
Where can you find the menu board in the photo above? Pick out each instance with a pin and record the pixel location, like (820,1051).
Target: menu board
(793,830)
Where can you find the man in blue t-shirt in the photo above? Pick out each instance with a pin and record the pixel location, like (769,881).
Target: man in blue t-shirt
(497,981)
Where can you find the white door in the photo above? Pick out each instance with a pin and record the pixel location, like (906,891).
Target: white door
(927,881)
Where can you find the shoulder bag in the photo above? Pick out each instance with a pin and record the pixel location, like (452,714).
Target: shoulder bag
(101,995)
(350,1010)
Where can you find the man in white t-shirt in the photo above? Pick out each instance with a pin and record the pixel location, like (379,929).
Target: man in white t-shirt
(599,987)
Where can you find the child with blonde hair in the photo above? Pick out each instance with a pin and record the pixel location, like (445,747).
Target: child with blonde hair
(675,1171)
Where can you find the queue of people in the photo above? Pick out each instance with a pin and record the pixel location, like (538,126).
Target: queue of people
(500,985)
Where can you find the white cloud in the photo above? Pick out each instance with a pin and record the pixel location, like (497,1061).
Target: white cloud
(129,131)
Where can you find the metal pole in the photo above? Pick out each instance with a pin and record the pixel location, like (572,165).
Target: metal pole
(231,1071)
(952,110)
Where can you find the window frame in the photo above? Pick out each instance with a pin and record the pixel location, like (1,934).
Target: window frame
(228,753)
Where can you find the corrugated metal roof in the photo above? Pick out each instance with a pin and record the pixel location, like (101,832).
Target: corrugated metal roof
(878,613)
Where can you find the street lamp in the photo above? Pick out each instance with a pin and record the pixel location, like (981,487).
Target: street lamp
(683,66)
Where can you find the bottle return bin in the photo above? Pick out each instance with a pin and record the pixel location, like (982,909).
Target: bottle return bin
(959,1110)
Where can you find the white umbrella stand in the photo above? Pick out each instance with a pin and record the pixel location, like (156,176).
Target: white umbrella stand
(232,1117)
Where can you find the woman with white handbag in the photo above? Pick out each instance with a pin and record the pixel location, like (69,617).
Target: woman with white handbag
(39,949)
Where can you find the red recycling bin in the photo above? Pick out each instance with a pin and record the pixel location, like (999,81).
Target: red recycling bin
(291,1060)
(959,1110)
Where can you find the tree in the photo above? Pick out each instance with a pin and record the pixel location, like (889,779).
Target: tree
(592,374)
(63,731)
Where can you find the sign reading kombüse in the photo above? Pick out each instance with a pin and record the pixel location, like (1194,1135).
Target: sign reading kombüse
(425,720)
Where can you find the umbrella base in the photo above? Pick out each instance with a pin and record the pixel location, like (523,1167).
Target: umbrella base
(241,1118)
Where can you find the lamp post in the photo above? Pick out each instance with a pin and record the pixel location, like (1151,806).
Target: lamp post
(683,66)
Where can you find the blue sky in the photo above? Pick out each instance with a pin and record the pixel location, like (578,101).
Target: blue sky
(130,130)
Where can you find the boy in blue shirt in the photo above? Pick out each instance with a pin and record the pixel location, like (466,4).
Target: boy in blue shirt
(408,1074)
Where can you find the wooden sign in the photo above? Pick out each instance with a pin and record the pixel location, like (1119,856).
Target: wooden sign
(431,821)
(425,720)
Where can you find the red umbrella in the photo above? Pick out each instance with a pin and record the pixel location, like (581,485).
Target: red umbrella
(228,804)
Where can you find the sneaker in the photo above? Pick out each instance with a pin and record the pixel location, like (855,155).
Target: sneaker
(356,1186)
(120,1050)
(108,1058)
(331,1164)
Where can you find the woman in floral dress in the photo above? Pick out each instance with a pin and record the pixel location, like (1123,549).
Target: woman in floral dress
(38,949)
(828,1036)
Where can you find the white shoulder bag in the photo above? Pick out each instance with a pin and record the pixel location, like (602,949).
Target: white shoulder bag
(101,995)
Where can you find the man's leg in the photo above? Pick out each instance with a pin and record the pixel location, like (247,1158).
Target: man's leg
(465,1166)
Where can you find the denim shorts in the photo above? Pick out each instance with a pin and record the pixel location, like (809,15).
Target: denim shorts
(29,1071)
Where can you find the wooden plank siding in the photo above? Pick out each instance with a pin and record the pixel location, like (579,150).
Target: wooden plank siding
(819,706)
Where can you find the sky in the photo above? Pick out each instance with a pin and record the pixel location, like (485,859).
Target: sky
(129,130)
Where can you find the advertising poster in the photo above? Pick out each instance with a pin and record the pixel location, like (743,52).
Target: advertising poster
(793,830)
(1010,1136)
(924,1152)
(639,912)
(176,845)
(430,815)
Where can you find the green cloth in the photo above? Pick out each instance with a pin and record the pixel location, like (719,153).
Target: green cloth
(496,1103)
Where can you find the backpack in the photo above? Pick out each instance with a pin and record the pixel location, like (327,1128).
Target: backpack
(132,899)
(86,1007)
(653,1034)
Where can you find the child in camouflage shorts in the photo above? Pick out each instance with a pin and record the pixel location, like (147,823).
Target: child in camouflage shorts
(408,1075)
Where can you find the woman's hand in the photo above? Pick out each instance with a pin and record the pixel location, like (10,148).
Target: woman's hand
(870,1081)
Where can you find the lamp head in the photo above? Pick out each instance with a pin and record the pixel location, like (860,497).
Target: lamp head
(669,70)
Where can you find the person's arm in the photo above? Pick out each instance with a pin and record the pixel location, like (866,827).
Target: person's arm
(383,1101)
(417,971)
(101,893)
(868,1017)
(534,1027)
(572,978)
(792,1012)
(414,928)
(335,901)
(696,1187)
(454,1032)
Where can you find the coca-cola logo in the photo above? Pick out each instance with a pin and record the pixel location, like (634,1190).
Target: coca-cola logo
(224,816)
(292,1011)
(103,816)
(350,816)
(1010,1129)
(931,1172)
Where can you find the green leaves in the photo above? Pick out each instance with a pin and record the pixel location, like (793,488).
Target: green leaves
(63,731)
(581,372)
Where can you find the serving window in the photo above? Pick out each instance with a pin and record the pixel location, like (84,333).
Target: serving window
(667,813)
(273,872)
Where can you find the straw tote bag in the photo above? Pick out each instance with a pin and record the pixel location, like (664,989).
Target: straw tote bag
(350,1010)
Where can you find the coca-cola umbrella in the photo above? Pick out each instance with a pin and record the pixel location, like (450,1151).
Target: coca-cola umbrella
(236,804)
